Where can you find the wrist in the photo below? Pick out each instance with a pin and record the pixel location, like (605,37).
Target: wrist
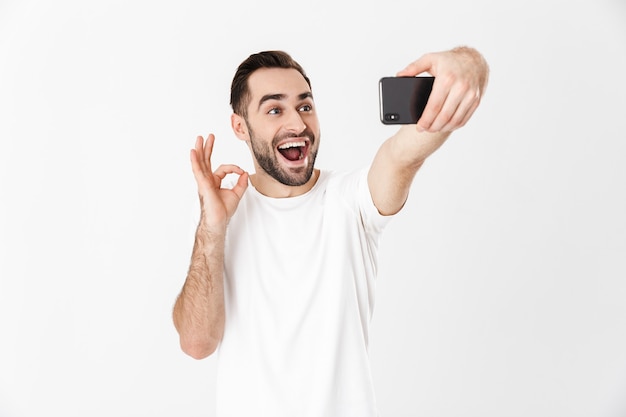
(211,227)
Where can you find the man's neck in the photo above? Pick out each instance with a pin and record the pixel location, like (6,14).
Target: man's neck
(270,187)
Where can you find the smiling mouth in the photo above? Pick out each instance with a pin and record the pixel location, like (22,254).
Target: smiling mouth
(294,150)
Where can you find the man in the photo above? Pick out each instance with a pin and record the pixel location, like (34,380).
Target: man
(282,271)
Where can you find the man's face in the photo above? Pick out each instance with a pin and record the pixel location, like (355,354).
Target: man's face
(283,125)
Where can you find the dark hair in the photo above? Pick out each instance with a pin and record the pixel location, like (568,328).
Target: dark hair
(239,91)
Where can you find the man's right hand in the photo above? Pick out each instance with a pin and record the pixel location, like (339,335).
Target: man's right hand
(217,204)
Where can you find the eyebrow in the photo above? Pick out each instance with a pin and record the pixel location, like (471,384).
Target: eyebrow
(267,97)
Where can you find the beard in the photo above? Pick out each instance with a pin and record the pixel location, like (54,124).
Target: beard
(268,161)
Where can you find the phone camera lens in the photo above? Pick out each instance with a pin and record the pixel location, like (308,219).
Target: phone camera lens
(392,117)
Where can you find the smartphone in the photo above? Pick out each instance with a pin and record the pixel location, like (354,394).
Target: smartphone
(402,99)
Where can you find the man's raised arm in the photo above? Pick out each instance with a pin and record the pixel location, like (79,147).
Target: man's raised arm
(199,309)
(461,76)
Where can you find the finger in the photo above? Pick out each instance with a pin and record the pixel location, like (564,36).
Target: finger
(195,153)
(436,101)
(208,151)
(423,64)
(226,169)
(242,185)
(199,144)
(468,103)
(448,111)
(199,153)
(469,113)
(196,166)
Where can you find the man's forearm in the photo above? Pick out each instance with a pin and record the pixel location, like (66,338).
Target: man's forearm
(199,309)
(409,148)
(396,164)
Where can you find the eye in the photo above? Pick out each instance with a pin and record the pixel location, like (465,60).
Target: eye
(306,108)
(274,110)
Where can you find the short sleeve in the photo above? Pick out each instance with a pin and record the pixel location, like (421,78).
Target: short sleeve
(373,221)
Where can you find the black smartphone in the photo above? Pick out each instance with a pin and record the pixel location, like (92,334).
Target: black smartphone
(402,99)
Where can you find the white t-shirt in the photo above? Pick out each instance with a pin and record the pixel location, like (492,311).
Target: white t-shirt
(299,292)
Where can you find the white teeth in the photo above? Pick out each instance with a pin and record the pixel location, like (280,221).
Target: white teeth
(291,145)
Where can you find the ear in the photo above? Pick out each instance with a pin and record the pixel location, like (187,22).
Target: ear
(239,126)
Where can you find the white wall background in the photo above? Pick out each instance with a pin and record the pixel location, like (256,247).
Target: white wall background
(502,288)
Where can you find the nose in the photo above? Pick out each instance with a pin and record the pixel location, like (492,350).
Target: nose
(294,122)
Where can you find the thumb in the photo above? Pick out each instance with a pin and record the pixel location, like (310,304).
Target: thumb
(423,64)
(242,185)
